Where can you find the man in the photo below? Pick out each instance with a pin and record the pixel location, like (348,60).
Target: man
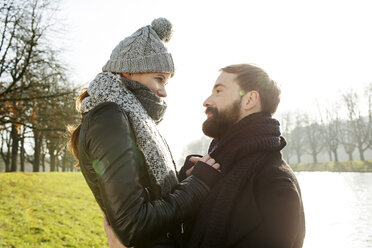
(258,201)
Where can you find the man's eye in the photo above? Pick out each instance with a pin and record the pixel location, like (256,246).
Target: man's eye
(218,91)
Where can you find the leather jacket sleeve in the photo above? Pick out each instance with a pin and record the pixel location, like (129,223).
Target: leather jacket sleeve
(109,143)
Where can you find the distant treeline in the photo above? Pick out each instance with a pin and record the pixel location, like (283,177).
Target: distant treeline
(36,99)
(343,166)
(329,132)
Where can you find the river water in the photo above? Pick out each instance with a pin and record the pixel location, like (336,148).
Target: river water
(338,209)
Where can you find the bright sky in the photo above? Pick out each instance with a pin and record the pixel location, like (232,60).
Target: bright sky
(314,49)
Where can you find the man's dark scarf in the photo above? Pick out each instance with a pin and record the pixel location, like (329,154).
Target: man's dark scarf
(255,136)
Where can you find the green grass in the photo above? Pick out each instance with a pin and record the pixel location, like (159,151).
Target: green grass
(49,210)
(343,166)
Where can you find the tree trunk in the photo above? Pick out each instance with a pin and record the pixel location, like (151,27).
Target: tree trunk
(38,140)
(64,160)
(315,158)
(7,160)
(361,154)
(350,154)
(43,161)
(335,155)
(71,165)
(22,154)
(52,161)
(6,156)
(63,167)
(15,145)
(330,155)
(298,157)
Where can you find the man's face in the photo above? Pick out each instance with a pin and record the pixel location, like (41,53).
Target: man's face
(223,106)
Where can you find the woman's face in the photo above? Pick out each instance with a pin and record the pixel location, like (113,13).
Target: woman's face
(155,81)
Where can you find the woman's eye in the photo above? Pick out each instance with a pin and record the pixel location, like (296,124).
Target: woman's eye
(160,80)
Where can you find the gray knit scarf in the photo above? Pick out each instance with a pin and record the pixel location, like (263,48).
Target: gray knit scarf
(109,87)
(154,105)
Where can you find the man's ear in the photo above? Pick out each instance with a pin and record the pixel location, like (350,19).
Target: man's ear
(250,100)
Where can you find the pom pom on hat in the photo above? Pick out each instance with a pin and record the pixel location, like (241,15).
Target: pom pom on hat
(163,28)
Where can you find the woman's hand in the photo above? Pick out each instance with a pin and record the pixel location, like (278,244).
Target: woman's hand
(206,159)
(113,241)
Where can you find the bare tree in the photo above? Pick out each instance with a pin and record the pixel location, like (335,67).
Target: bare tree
(348,140)
(314,144)
(358,125)
(31,78)
(5,147)
(22,154)
(368,94)
(286,126)
(331,131)
(25,25)
(297,137)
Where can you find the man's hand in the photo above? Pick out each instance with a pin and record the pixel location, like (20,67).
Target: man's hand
(206,159)
(113,242)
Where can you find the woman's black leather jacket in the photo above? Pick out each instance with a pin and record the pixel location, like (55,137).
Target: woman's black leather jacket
(115,172)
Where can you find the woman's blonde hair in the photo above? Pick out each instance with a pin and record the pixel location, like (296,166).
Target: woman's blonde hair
(74,131)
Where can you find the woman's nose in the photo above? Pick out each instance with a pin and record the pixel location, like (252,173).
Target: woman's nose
(162,92)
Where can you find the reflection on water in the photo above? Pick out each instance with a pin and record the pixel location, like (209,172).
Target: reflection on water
(338,209)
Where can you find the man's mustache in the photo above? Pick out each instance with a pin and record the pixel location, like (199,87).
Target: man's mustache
(211,110)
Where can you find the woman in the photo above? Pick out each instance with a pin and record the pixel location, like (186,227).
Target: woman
(124,159)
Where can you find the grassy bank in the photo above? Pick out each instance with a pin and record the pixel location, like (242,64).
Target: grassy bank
(48,210)
(343,166)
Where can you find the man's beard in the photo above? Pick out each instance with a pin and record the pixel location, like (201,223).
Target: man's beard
(216,125)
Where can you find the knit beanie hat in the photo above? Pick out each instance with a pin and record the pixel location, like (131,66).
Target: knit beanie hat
(143,51)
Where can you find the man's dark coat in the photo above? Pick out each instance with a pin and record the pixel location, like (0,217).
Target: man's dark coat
(258,202)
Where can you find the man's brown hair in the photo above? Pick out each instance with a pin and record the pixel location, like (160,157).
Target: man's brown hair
(250,77)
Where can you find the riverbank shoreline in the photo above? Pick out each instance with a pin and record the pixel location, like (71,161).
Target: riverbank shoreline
(342,166)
